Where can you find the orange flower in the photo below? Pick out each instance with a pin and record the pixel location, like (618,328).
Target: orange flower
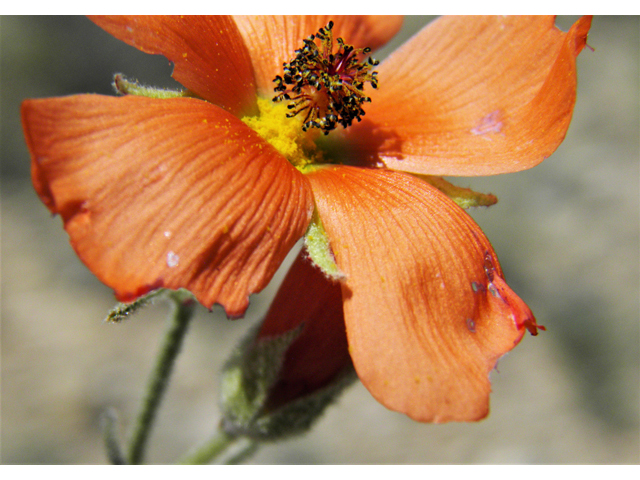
(210,192)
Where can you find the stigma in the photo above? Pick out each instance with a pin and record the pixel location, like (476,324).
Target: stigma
(326,87)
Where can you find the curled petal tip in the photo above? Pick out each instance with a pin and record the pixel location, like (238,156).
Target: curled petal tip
(580,30)
(498,288)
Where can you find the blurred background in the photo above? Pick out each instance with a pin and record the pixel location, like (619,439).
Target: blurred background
(566,232)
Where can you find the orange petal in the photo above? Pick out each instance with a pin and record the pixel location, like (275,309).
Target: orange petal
(427,312)
(320,352)
(208,53)
(272,40)
(473,96)
(172,193)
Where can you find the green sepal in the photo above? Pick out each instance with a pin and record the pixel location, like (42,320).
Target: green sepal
(249,374)
(247,379)
(464,197)
(317,244)
(124,86)
(299,415)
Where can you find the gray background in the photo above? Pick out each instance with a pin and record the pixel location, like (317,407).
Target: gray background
(566,232)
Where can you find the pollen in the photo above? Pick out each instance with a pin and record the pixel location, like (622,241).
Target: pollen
(326,88)
(284,133)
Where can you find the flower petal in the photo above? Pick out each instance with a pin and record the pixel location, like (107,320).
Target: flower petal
(272,40)
(208,53)
(320,352)
(427,311)
(172,193)
(473,96)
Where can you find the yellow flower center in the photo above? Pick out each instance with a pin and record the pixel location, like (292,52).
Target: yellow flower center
(285,134)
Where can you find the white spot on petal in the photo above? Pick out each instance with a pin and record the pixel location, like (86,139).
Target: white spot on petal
(172,260)
(491,123)
(167,234)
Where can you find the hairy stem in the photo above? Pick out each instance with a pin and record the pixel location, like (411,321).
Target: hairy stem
(209,451)
(182,313)
(109,423)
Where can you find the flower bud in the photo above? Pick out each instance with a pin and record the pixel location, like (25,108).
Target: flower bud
(285,373)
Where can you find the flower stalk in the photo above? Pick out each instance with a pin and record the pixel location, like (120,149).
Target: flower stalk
(109,423)
(217,445)
(246,451)
(211,449)
(184,306)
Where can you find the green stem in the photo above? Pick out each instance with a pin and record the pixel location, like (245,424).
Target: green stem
(248,449)
(109,422)
(210,450)
(182,313)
